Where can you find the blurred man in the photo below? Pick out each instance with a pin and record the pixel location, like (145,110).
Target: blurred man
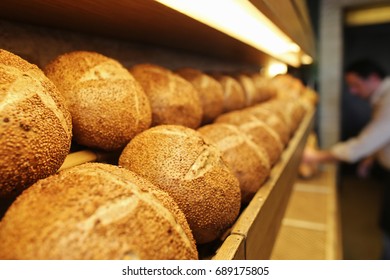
(368,81)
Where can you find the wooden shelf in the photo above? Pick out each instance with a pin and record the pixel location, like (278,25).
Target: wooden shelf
(149,22)
(254,233)
(311,226)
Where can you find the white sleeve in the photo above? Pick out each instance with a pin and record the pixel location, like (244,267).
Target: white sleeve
(371,139)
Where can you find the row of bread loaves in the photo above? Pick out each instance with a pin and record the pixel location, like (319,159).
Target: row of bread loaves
(91,211)
(197,180)
(110,104)
(174,190)
(95,211)
(252,140)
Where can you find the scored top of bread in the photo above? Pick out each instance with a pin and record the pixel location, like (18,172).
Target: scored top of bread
(210,92)
(248,161)
(95,211)
(233,93)
(35,125)
(178,160)
(265,88)
(107,104)
(172,98)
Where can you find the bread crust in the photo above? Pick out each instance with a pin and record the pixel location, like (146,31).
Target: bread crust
(35,125)
(95,211)
(233,93)
(178,160)
(210,92)
(107,104)
(248,161)
(262,134)
(172,98)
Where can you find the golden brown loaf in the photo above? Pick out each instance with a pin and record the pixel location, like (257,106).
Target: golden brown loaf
(173,99)
(249,87)
(249,162)
(177,160)
(264,87)
(297,110)
(258,131)
(291,110)
(95,211)
(210,92)
(288,86)
(275,119)
(107,105)
(35,125)
(233,93)
(276,110)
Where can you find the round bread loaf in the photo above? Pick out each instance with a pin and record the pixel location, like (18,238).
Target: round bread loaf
(276,108)
(288,86)
(233,93)
(291,110)
(297,110)
(249,87)
(249,162)
(210,92)
(177,160)
(274,119)
(265,137)
(107,105)
(95,211)
(35,125)
(265,89)
(173,99)
(258,132)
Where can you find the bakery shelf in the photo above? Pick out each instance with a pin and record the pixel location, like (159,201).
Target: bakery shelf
(149,22)
(152,24)
(255,231)
(311,226)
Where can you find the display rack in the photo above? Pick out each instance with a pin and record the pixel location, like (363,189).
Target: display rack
(149,22)
(254,233)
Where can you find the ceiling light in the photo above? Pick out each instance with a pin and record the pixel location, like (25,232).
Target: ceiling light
(274,68)
(368,15)
(243,21)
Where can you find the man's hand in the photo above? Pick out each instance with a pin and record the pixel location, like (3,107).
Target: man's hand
(314,156)
(364,167)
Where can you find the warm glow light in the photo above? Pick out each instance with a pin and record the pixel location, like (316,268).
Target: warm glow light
(243,21)
(306,59)
(368,15)
(275,68)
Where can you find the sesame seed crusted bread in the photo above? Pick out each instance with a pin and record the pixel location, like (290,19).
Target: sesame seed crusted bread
(210,92)
(35,125)
(250,89)
(178,160)
(291,110)
(172,98)
(107,104)
(249,162)
(265,88)
(272,117)
(95,211)
(233,93)
(258,131)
